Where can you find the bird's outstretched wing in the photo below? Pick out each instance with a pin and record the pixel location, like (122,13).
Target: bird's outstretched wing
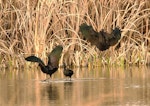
(95,38)
(115,36)
(89,33)
(35,59)
(54,56)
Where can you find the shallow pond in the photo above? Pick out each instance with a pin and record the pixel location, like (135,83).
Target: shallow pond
(88,87)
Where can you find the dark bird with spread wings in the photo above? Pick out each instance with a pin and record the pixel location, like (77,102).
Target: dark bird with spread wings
(102,40)
(53,61)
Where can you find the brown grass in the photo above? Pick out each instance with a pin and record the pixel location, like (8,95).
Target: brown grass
(36,26)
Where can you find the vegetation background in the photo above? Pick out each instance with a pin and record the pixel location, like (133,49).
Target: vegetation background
(35,27)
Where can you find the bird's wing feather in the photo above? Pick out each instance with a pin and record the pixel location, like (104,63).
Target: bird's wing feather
(35,59)
(70,72)
(95,38)
(89,33)
(116,35)
(54,56)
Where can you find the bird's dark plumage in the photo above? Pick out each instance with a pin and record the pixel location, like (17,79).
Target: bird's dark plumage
(67,72)
(53,61)
(102,40)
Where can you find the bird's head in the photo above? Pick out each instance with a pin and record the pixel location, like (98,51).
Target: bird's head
(117,33)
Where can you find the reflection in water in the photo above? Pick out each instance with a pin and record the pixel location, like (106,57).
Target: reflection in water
(96,87)
(68,87)
(52,92)
(68,92)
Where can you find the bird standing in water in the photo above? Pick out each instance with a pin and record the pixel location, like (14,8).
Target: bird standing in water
(67,72)
(53,61)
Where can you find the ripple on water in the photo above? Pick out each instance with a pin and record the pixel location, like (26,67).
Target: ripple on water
(72,80)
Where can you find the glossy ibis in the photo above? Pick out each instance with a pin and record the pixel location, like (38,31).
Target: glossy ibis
(102,40)
(67,72)
(53,61)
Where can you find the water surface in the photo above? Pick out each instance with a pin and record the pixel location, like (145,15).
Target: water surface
(88,87)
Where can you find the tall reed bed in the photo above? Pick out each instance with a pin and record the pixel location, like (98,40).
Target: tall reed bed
(36,26)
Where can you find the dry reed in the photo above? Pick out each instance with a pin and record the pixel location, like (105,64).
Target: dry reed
(36,26)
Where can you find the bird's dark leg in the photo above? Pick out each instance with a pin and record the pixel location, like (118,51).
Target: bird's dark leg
(50,78)
(70,78)
(47,79)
